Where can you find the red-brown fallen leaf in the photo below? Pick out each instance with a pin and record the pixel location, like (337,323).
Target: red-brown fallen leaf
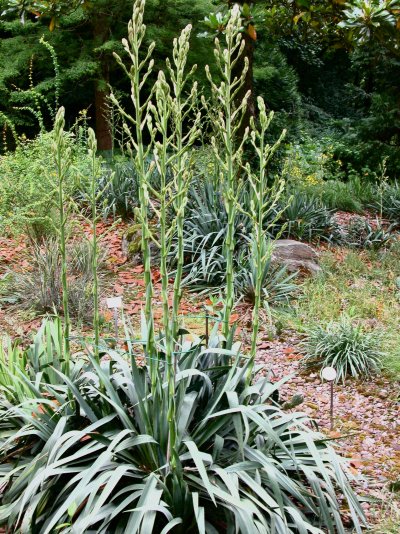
(133,307)
(156,275)
(356,462)
(289,350)
(334,434)
(119,290)
(107,315)
(127,278)
(138,269)
(294,356)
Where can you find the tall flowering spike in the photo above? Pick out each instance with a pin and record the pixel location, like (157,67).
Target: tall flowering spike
(227,149)
(62,162)
(263,200)
(134,124)
(92,142)
(92,150)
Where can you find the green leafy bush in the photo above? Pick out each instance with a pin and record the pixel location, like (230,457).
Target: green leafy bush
(338,196)
(310,162)
(344,345)
(100,463)
(28,185)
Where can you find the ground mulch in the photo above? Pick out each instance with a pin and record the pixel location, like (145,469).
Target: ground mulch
(366,419)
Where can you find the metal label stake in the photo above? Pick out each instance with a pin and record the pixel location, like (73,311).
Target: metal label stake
(329,374)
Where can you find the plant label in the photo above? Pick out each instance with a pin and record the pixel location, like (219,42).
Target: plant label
(114,302)
(329,374)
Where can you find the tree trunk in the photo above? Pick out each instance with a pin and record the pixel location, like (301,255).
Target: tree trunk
(101,30)
(101,93)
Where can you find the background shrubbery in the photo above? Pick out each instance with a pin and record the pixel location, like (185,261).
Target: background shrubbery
(28,188)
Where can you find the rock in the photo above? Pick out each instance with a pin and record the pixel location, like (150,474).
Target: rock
(132,244)
(295,256)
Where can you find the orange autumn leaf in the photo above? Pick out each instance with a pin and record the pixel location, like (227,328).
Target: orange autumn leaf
(251,32)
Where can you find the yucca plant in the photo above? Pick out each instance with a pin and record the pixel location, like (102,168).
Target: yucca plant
(204,235)
(307,218)
(344,345)
(275,284)
(12,362)
(100,463)
(24,370)
(360,233)
(387,199)
(40,287)
(120,185)
(62,163)
(228,149)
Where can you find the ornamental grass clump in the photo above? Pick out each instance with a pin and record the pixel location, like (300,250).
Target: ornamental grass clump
(344,345)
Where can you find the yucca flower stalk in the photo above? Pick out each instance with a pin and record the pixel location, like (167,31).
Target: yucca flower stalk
(161,112)
(140,69)
(94,195)
(227,149)
(263,200)
(164,119)
(62,160)
(170,153)
(181,106)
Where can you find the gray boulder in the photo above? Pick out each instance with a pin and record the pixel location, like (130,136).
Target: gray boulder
(296,256)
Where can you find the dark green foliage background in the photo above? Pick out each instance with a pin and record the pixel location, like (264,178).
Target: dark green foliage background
(322,81)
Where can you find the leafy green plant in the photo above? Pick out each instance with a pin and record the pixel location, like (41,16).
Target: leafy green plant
(28,186)
(306,218)
(276,284)
(360,233)
(344,345)
(387,201)
(337,195)
(242,463)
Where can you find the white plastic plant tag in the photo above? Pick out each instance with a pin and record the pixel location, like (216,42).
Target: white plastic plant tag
(114,302)
(329,374)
